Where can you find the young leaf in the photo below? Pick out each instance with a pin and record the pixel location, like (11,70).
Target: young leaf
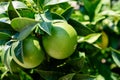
(91,38)
(20,24)
(80,28)
(46,26)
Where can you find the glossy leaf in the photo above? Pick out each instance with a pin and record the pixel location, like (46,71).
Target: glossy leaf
(46,26)
(91,38)
(26,32)
(54,2)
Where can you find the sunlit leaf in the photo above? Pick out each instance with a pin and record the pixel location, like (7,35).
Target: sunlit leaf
(91,38)
(19,24)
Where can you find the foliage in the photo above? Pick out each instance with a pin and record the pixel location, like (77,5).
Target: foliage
(90,18)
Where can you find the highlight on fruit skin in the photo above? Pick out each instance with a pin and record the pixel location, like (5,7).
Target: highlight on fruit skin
(33,54)
(62,42)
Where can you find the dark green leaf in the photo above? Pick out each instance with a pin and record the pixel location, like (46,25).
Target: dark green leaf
(53,16)
(46,26)
(116,56)
(4,36)
(67,77)
(91,6)
(16,48)
(82,77)
(5,26)
(81,29)
(67,13)
(12,12)
(26,13)
(49,75)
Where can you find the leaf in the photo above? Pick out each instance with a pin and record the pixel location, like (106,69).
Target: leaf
(51,15)
(19,5)
(16,5)
(49,75)
(26,31)
(20,24)
(46,26)
(26,13)
(91,38)
(3,7)
(16,48)
(91,6)
(67,77)
(80,28)
(67,13)
(116,56)
(4,36)
(5,26)
(54,2)
(82,77)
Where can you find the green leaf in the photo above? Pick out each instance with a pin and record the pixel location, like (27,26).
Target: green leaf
(26,13)
(116,56)
(5,26)
(26,32)
(91,38)
(20,24)
(16,48)
(49,75)
(12,12)
(46,26)
(54,2)
(3,7)
(67,77)
(4,36)
(80,28)
(67,13)
(19,5)
(82,77)
(91,6)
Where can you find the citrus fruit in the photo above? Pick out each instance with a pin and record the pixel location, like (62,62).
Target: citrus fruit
(62,41)
(32,53)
